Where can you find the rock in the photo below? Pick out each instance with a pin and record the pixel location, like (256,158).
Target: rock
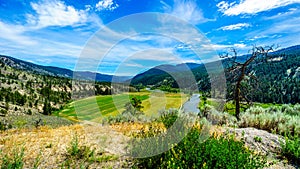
(263,142)
(259,140)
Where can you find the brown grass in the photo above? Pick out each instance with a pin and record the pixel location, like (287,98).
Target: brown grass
(51,144)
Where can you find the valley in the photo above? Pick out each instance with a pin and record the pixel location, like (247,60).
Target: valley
(112,105)
(47,119)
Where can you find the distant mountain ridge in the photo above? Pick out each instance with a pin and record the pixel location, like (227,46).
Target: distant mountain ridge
(159,73)
(161,70)
(60,72)
(152,75)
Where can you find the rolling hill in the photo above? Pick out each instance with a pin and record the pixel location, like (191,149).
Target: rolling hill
(57,71)
(278,77)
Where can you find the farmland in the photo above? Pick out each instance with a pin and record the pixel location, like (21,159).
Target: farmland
(96,107)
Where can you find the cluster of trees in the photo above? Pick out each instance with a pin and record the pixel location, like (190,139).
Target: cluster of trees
(36,90)
(262,76)
(278,81)
(15,97)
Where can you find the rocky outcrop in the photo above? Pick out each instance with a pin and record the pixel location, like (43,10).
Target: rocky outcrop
(263,142)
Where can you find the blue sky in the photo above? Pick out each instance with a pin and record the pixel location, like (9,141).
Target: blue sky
(58,33)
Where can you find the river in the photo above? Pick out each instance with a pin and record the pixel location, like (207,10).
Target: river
(191,106)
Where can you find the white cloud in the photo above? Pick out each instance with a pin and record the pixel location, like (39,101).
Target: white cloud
(252,6)
(235,27)
(240,45)
(186,10)
(14,33)
(55,13)
(283,15)
(220,47)
(136,65)
(106,5)
(223,6)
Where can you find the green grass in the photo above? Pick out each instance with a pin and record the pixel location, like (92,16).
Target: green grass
(267,105)
(94,108)
(208,101)
(291,149)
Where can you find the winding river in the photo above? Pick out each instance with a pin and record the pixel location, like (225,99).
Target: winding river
(191,106)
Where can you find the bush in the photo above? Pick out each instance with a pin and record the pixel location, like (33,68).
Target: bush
(126,117)
(291,149)
(222,152)
(80,156)
(288,109)
(168,117)
(297,108)
(30,121)
(4,125)
(271,120)
(218,118)
(194,150)
(14,162)
(256,110)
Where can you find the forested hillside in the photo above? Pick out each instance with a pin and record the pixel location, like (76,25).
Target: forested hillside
(25,92)
(57,71)
(276,79)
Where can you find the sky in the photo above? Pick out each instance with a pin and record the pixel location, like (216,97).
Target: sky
(125,37)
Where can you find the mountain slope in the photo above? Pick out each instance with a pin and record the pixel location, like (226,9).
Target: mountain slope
(159,73)
(57,71)
(278,77)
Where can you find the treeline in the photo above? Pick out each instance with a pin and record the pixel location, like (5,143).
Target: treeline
(276,80)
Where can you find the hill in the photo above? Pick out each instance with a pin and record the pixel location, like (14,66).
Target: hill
(278,77)
(57,71)
(157,74)
(30,89)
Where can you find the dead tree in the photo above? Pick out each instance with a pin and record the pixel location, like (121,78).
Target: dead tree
(236,69)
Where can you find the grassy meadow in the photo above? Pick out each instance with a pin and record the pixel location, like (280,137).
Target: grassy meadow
(96,107)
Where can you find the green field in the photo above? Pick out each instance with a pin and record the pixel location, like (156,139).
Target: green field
(94,108)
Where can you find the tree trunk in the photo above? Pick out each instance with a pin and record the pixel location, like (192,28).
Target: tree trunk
(237,100)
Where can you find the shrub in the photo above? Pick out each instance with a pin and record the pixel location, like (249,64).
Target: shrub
(126,117)
(288,109)
(297,108)
(257,139)
(291,149)
(81,156)
(193,151)
(4,125)
(255,110)
(273,109)
(222,152)
(272,121)
(168,117)
(14,162)
(218,118)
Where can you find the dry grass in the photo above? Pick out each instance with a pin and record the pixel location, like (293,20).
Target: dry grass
(129,129)
(50,145)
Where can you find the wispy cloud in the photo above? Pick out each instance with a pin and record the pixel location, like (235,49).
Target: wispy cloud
(15,33)
(55,13)
(187,10)
(235,26)
(252,6)
(283,15)
(106,5)
(220,47)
